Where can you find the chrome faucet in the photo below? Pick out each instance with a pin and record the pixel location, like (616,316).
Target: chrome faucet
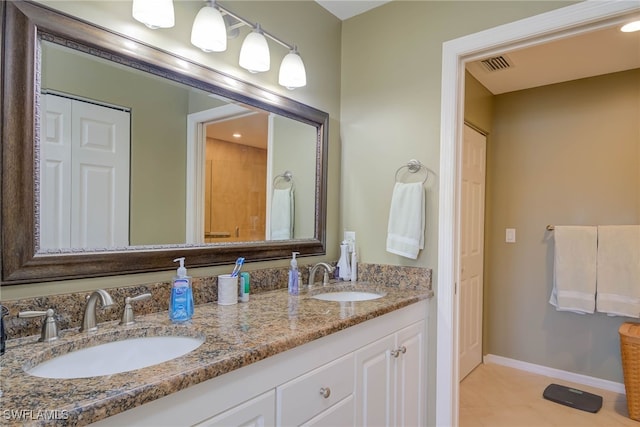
(312,273)
(89,319)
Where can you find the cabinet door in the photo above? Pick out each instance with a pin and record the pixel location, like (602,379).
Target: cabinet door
(257,412)
(374,383)
(410,384)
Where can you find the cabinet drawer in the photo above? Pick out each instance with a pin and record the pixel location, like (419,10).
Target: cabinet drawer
(301,399)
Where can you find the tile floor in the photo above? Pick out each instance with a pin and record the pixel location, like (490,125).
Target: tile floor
(498,396)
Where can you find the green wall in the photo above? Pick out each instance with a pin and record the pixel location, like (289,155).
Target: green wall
(564,154)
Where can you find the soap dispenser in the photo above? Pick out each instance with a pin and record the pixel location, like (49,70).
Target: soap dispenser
(294,288)
(343,264)
(181,303)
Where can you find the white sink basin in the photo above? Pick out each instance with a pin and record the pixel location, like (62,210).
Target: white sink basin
(116,357)
(347,296)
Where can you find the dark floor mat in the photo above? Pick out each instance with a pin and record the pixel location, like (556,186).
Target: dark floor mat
(573,398)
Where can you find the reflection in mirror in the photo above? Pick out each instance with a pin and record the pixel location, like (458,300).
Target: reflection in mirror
(135,207)
(114,148)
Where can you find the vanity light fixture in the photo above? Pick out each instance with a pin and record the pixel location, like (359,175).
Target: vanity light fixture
(292,73)
(631,27)
(254,53)
(154,13)
(209,31)
(214,24)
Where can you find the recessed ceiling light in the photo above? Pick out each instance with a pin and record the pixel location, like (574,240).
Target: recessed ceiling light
(237,135)
(631,27)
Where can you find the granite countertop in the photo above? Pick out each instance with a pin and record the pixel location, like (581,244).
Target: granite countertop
(235,336)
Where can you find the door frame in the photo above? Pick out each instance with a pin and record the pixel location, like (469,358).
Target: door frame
(196,146)
(554,25)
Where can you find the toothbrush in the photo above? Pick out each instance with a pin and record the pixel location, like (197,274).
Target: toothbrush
(237,267)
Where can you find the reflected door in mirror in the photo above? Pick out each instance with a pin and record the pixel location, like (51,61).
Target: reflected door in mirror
(84,174)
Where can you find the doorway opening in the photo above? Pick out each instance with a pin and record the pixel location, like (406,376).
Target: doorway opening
(566,22)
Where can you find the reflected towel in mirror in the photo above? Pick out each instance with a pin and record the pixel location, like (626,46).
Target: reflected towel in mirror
(405,232)
(282,214)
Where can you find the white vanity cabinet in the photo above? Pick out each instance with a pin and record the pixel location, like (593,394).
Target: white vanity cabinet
(349,378)
(257,412)
(313,395)
(390,381)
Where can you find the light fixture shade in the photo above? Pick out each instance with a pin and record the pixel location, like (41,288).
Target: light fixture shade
(209,32)
(292,73)
(254,53)
(154,13)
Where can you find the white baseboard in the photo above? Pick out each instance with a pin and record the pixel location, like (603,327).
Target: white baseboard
(555,373)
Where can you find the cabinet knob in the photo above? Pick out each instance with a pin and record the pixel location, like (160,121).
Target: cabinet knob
(325,392)
(398,351)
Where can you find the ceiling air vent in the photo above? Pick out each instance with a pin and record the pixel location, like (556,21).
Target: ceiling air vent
(496,63)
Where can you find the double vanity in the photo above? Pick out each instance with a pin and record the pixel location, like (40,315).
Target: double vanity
(277,359)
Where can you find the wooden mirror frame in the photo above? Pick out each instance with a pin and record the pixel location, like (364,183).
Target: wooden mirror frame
(21,261)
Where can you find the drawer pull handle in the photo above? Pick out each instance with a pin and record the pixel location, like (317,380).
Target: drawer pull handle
(325,392)
(396,352)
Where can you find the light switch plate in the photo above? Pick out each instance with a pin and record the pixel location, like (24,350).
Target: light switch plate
(510,235)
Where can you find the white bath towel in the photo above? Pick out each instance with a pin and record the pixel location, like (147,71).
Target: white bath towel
(282,214)
(574,269)
(405,232)
(619,270)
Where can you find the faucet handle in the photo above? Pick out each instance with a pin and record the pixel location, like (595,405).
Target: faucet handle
(49,326)
(127,314)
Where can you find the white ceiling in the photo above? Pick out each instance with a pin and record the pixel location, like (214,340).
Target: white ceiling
(345,9)
(592,54)
(252,127)
(599,52)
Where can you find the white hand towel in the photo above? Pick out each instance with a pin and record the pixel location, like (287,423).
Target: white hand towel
(282,214)
(405,232)
(619,270)
(574,269)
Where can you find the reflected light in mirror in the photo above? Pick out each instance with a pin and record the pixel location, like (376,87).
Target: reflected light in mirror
(631,27)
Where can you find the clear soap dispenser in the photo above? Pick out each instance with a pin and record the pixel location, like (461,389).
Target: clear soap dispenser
(294,288)
(181,302)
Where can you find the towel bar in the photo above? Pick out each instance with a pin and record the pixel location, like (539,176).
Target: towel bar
(413,166)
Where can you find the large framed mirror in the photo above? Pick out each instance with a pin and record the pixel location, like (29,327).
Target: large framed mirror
(118,157)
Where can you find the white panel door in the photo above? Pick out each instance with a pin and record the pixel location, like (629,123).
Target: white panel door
(471,250)
(84,188)
(100,176)
(55,173)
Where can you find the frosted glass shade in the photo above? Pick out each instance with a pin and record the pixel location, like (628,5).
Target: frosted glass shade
(209,32)
(154,13)
(292,73)
(254,53)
